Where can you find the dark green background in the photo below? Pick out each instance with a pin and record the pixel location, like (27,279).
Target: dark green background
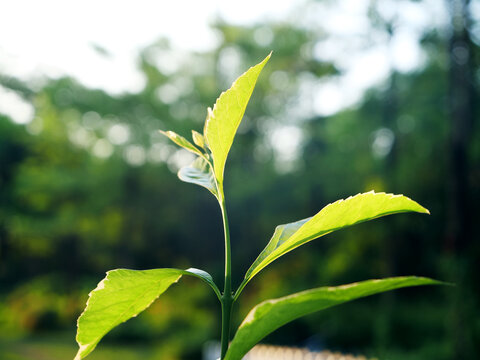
(67,216)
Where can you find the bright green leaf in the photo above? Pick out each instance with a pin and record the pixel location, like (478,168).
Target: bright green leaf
(122,295)
(181,141)
(335,216)
(272,314)
(199,172)
(223,121)
(198,139)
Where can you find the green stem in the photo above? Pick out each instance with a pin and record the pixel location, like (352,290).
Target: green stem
(240,289)
(227,303)
(227,298)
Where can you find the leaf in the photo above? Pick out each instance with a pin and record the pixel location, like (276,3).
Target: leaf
(205,277)
(121,295)
(334,216)
(223,121)
(272,314)
(198,139)
(181,141)
(199,172)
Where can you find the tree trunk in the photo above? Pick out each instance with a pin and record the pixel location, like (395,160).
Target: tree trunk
(458,232)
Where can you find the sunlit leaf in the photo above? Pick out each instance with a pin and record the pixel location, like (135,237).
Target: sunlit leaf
(121,295)
(199,172)
(181,141)
(272,314)
(223,121)
(335,216)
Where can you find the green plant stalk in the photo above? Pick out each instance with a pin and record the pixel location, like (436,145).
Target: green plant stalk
(227,303)
(227,298)
(240,289)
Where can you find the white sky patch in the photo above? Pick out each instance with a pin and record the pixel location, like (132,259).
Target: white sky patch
(98,42)
(369,68)
(406,53)
(168,62)
(250,11)
(328,98)
(15,106)
(349,17)
(363,53)
(55,37)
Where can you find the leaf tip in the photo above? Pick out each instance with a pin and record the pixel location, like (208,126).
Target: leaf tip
(421,209)
(430,281)
(267,58)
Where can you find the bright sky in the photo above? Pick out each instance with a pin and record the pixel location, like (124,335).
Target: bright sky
(57,37)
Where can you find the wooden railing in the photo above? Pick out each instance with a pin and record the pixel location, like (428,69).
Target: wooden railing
(268,352)
(265,352)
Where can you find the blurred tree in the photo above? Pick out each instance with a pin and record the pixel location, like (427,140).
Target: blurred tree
(88,186)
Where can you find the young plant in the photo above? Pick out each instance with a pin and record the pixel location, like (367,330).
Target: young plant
(123,294)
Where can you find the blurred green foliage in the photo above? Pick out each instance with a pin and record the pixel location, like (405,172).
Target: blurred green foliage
(89,186)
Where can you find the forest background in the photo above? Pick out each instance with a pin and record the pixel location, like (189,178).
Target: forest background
(358,96)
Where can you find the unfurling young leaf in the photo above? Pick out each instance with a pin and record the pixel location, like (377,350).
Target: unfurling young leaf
(199,172)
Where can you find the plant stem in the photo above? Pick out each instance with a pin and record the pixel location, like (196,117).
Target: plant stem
(227,298)
(227,303)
